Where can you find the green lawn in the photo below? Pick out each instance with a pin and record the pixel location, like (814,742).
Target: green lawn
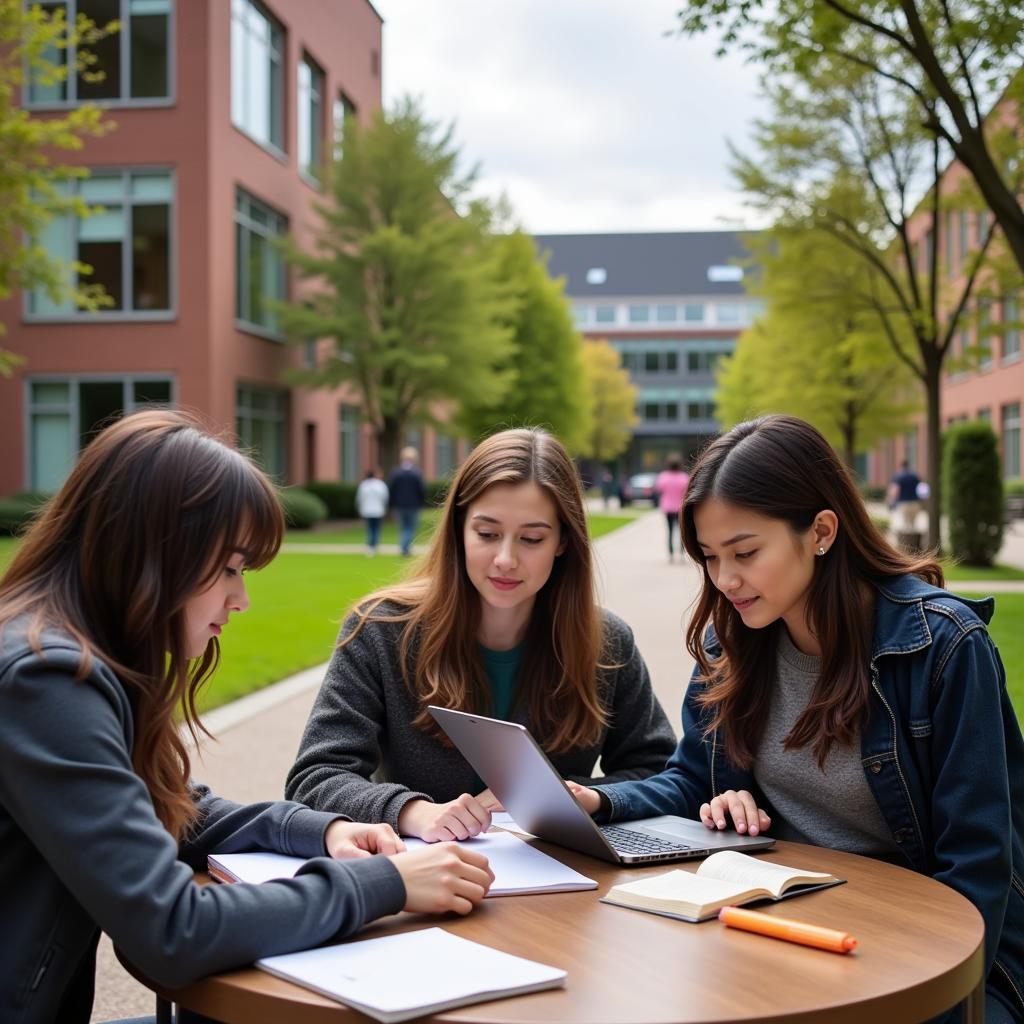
(974,572)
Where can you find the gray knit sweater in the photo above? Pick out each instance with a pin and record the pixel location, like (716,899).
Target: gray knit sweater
(360,754)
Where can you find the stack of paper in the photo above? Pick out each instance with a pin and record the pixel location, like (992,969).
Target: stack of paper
(518,867)
(434,970)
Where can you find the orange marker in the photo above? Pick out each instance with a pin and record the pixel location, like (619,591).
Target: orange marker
(784,928)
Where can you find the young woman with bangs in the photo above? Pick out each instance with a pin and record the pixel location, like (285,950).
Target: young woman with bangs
(841,697)
(500,620)
(109,615)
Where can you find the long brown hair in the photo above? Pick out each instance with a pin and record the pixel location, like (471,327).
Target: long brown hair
(441,609)
(782,468)
(146,519)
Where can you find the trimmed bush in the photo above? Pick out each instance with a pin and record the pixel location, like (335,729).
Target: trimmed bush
(302,509)
(338,496)
(872,492)
(973,486)
(18,511)
(437,491)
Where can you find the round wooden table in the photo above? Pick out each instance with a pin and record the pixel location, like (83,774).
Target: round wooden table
(920,952)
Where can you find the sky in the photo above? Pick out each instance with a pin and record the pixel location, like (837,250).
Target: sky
(586,114)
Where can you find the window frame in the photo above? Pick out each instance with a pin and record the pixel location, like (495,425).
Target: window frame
(126,201)
(260,330)
(312,172)
(279,151)
(122,102)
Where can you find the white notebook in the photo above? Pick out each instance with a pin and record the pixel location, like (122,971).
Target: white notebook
(398,977)
(518,867)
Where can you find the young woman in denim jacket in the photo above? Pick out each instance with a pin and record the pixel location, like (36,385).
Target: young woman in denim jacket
(840,696)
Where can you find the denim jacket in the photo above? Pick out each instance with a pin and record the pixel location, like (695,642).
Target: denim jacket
(942,753)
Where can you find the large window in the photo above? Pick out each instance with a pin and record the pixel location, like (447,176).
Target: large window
(261,422)
(257,75)
(445,456)
(131,64)
(64,413)
(259,267)
(126,241)
(348,430)
(310,123)
(1011,329)
(1011,440)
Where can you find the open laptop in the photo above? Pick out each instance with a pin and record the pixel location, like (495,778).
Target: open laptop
(518,772)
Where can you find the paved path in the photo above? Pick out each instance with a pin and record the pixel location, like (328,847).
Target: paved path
(257,737)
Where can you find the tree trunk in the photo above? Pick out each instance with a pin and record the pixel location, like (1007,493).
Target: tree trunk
(933,436)
(389,442)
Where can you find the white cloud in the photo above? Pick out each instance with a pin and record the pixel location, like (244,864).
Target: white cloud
(584,112)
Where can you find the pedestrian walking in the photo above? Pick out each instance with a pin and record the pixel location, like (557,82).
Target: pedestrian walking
(671,489)
(905,493)
(372,504)
(407,495)
(109,619)
(842,697)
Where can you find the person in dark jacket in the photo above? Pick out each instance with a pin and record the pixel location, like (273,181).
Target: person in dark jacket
(407,494)
(109,618)
(841,697)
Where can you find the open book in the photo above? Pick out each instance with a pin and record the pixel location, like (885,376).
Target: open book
(398,977)
(725,879)
(518,867)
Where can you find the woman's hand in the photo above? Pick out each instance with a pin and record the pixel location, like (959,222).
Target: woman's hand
(738,805)
(586,798)
(489,801)
(443,878)
(461,818)
(346,840)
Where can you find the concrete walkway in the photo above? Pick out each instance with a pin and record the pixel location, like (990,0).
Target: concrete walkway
(257,737)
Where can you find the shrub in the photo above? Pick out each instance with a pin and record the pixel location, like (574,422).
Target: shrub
(301,508)
(437,491)
(973,492)
(337,495)
(1013,488)
(18,511)
(872,492)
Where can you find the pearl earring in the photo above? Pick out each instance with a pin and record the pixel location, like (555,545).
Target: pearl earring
(821,551)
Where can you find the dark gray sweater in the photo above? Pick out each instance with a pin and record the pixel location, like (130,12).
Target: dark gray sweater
(81,849)
(360,754)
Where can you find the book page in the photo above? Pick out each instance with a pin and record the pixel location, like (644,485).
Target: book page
(256,867)
(682,890)
(749,872)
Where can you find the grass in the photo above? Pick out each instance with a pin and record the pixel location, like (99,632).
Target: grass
(976,572)
(1008,634)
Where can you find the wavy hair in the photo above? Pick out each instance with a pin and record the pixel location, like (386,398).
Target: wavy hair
(440,608)
(782,468)
(146,519)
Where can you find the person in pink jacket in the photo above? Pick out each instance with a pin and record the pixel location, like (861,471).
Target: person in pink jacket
(671,488)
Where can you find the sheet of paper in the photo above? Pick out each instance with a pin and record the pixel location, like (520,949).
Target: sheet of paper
(519,868)
(502,819)
(436,970)
(258,867)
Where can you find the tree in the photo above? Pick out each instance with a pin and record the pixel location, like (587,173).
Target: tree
(544,367)
(953,62)
(612,402)
(401,278)
(33,189)
(845,156)
(819,352)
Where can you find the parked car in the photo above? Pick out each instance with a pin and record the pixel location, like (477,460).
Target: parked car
(639,487)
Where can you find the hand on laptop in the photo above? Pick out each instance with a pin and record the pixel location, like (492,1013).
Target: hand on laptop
(738,805)
(461,818)
(443,878)
(586,798)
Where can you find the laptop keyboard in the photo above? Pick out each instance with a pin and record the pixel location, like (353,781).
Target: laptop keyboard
(627,840)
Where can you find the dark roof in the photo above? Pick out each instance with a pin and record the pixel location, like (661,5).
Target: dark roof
(645,264)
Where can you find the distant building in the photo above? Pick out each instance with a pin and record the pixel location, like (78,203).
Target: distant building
(673,304)
(224,111)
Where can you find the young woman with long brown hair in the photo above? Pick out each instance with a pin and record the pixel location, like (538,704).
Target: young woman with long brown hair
(109,617)
(500,620)
(841,697)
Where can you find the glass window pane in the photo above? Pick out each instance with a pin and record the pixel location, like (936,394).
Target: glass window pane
(149,56)
(151,392)
(302,124)
(151,257)
(102,188)
(149,6)
(99,402)
(239,56)
(105,262)
(50,393)
(639,314)
(241,270)
(651,362)
(665,313)
(693,312)
(604,314)
(152,187)
(106,225)
(57,238)
(42,87)
(101,80)
(51,450)
(257,276)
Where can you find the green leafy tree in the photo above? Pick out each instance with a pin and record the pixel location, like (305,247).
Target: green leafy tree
(952,62)
(819,351)
(401,278)
(845,156)
(544,368)
(974,493)
(612,402)
(33,189)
